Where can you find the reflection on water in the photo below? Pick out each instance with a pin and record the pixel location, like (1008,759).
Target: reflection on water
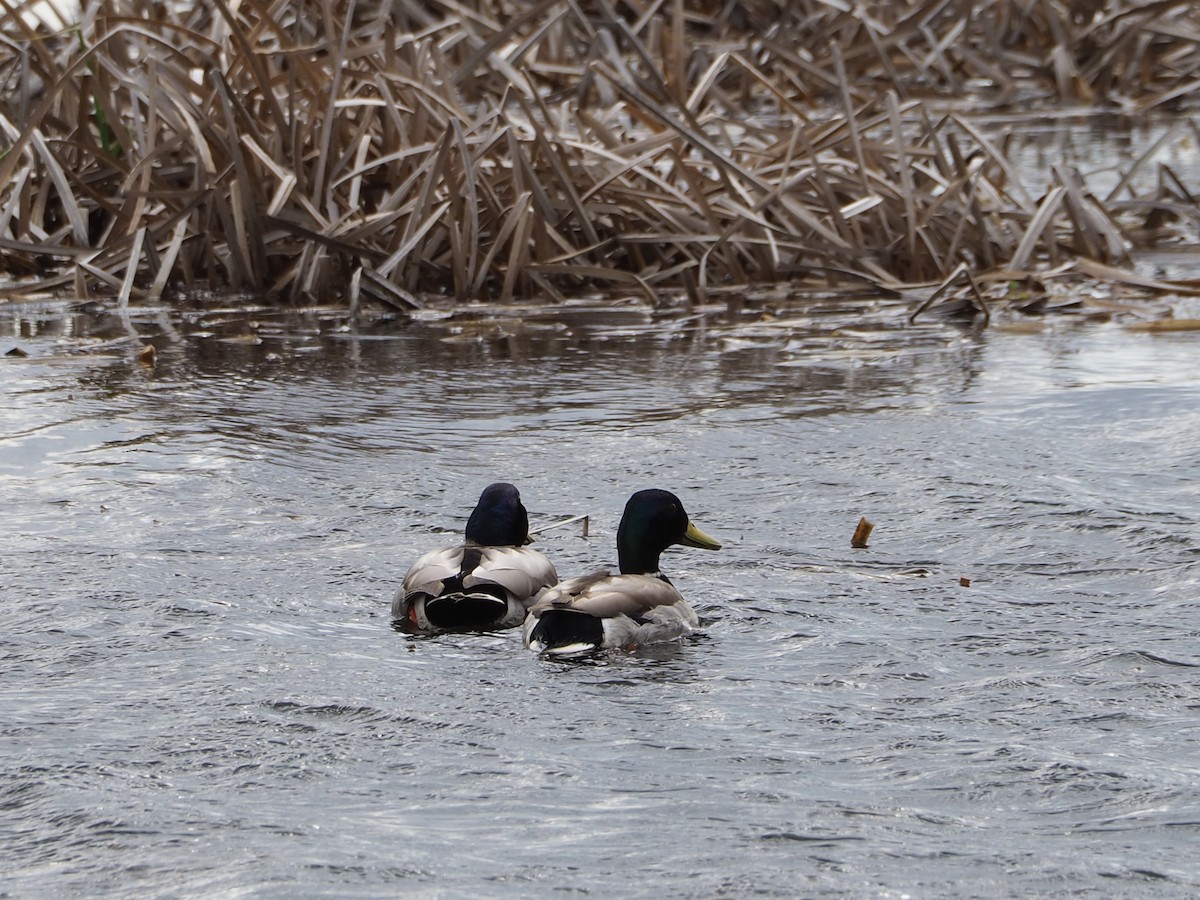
(203,694)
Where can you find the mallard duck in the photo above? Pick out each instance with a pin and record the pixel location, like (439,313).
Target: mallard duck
(486,583)
(638,606)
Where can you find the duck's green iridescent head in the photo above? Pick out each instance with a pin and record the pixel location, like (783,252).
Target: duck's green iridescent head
(654,520)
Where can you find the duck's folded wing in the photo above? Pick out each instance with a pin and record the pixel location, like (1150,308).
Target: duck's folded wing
(565,592)
(431,571)
(523,573)
(606,596)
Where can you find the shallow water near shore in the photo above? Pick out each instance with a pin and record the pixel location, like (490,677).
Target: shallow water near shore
(203,694)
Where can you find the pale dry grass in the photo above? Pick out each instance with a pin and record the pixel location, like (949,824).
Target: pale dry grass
(393,151)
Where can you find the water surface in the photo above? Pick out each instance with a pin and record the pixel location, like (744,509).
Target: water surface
(202,694)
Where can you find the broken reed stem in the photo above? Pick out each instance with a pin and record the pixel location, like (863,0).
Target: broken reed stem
(498,151)
(585,518)
(862,534)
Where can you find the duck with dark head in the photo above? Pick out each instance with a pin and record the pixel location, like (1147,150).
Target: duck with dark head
(488,582)
(635,607)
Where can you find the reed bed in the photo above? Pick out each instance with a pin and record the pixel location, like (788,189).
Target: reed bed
(332,150)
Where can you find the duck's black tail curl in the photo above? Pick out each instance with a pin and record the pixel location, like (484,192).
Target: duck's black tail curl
(481,607)
(567,631)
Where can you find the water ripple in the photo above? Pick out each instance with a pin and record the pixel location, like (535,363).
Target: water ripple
(995,697)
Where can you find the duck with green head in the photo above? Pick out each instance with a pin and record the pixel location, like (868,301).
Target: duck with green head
(635,607)
(486,583)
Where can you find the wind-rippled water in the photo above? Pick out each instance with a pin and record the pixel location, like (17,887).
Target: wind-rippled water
(202,694)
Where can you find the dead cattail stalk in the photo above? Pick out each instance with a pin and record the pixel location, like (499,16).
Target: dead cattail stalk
(492,150)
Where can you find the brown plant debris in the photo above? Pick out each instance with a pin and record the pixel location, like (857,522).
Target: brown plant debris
(862,534)
(387,151)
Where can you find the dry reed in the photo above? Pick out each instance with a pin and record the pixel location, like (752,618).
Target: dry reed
(394,151)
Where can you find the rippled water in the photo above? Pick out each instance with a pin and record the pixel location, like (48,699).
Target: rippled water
(202,694)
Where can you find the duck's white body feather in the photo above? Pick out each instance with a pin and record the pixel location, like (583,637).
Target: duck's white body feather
(632,610)
(506,579)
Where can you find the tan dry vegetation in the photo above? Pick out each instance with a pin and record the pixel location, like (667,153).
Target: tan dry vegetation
(327,149)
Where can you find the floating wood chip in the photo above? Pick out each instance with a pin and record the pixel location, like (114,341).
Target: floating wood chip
(1165,325)
(147,355)
(861,534)
(964,582)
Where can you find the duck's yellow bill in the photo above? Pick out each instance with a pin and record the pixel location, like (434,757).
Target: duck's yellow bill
(694,537)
